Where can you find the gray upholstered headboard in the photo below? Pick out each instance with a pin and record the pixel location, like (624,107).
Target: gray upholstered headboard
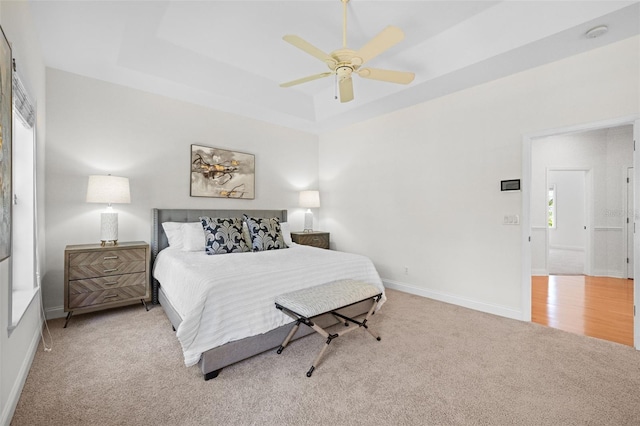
(159,216)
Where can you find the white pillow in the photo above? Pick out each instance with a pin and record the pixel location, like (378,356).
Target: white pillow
(193,235)
(173,230)
(286,233)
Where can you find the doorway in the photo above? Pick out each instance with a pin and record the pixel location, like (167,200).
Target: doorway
(606,237)
(567,221)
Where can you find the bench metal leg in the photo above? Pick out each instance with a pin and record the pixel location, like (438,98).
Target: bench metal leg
(329,338)
(289,336)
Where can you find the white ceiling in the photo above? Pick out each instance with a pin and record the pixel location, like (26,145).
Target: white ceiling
(229,55)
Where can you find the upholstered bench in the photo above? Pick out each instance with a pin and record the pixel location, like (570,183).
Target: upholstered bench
(302,305)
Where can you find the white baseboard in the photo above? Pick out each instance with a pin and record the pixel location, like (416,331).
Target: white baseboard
(16,389)
(456,300)
(608,273)
(539,272)
(55,312)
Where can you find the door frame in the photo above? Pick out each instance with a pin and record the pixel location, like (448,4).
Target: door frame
(631,184)
(527,140)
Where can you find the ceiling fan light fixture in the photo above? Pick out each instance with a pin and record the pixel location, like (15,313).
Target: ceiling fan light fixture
(344,71)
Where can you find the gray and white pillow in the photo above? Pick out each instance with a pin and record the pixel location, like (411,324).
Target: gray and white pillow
(223,235)
(265,233)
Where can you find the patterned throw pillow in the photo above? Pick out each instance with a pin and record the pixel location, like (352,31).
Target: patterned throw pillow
(223,235)
(265,233)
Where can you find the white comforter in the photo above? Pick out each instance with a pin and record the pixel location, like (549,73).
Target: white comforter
(228,297)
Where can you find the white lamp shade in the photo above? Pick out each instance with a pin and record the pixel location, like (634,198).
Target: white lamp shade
(108,189)
(310,199)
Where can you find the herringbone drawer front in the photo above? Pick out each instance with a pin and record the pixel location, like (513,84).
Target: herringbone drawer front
(105,283)
(101,257)
(99,264)
(82,300)
(314,239)
(105,269)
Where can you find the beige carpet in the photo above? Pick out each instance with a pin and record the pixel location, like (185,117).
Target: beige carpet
(437,364)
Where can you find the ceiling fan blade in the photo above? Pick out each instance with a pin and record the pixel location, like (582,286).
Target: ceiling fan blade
(346,89)
(385,39)
(400,77)
(305,79)
(309,48)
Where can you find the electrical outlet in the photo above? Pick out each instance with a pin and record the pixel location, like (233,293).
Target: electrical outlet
(406,270)
(511,219)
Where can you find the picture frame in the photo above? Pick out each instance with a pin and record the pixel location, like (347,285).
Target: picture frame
(6,132)
(221,173)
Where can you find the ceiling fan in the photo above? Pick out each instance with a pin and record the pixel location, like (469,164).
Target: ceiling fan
(344,62)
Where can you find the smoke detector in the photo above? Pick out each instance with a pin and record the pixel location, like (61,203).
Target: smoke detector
(597,31)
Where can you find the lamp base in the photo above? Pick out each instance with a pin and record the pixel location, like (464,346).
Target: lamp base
(105,242)
(308,221)
(108,228)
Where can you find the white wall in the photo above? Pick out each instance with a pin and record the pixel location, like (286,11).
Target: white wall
(606,153)
(420,188)
(96,127)
(17,347)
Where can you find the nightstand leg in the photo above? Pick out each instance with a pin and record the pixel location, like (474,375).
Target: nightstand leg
(144,304)
(68,317)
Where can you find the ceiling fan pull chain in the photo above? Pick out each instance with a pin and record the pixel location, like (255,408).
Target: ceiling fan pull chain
(335,88)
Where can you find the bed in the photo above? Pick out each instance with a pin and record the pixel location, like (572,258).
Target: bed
(216,322)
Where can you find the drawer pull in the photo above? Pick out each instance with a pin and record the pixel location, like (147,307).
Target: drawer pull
(110,296)
(111,283)
(315,239)
(110,257)
(110,270)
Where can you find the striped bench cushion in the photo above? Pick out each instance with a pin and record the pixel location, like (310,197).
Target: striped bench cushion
(312,301)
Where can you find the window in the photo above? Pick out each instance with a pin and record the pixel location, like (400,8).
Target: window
(23,281)
(551,209)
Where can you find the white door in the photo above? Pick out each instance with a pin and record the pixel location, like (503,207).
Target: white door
(630,222)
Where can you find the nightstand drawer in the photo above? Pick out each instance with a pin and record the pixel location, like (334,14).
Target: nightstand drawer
(314,239)
(105,283)
(112,262)
(92,298)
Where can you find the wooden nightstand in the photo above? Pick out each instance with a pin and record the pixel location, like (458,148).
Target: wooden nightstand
(97,278)
(313,238)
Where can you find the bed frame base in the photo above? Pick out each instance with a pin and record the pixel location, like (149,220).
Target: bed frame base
(212,374)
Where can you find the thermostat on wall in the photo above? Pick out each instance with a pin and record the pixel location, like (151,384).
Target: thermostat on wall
(510,185)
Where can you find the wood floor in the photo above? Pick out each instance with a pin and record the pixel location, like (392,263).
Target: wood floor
(599,307)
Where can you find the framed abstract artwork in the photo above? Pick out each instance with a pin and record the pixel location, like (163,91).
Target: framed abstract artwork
(220,173)
(6,121)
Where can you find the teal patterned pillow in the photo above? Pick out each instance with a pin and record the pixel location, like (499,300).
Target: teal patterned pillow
(223,235)
(265,233)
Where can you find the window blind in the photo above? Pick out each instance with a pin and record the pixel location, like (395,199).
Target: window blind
(21,102)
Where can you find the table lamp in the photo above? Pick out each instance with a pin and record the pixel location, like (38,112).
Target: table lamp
(310,200)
